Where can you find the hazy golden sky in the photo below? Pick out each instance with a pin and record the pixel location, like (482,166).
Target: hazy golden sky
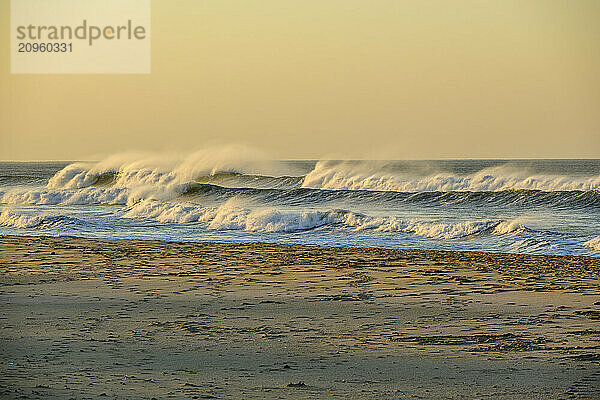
(307,78)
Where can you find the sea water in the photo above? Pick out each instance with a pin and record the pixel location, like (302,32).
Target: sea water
(511,206)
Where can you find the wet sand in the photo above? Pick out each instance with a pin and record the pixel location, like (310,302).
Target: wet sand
(89,319)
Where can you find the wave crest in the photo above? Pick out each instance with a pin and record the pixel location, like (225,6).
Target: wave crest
(340,175)
(20,221)
(232,215)
(135,169)
(24,221)
(54,197)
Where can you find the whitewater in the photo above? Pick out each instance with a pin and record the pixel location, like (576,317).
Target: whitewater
(510,206)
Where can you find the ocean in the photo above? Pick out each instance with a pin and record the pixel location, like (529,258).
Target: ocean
(508,206)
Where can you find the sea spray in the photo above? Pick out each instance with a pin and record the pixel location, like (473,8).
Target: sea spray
(216,195)
(336,175)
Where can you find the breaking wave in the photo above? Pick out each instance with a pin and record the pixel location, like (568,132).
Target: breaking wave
(223,174)
(237,190)
(232,215)
(133,170)
(53,197)
(111,195)
(24,221)
(343,175)
(213,167)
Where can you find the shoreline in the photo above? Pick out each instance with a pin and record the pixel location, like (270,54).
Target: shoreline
(317,246)
(124,318)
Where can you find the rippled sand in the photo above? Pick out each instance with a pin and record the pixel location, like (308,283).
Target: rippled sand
(85,318)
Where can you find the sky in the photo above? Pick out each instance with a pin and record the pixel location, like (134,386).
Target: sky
(305,79)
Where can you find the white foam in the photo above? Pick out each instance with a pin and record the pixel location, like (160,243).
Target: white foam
(20,221)
(233,215)
(140,176)
(167,212)
(534,246)
(336,175)
(510,227)
(144,169)
(430,229)
(230,216)
(9,218)
(136,177)
(270,220)
(53,197)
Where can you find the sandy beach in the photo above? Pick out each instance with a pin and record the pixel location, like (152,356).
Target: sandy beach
(91,318)
(300,200)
